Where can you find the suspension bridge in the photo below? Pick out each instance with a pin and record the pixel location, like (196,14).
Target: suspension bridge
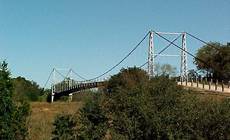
(68,85)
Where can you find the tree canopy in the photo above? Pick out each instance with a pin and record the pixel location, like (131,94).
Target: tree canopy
(26,90)
(165,69)
(214,59)
(13,116)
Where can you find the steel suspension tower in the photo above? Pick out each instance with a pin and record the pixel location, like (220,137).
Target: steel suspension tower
(184,65)
(150,55)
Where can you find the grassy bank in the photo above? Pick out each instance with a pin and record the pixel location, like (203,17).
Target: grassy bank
(43,115)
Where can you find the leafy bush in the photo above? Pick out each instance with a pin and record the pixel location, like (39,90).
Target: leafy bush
(217,61)
(92,120)
(64,127)
(26,90)
(137,111)
(128,79)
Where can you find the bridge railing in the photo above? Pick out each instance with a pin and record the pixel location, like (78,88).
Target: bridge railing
(71,84)
(206,84)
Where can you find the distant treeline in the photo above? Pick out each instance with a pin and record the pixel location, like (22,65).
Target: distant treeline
(28,90)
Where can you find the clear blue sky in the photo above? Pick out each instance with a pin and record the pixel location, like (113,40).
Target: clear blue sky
(91,36)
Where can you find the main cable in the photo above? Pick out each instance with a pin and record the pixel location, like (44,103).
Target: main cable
(48,78)
(60,73)
(183,50)
(78,75)
(208,44)
(121,59)
(143,64)
(171,42)
(176,45)
(67,75)
(51,75)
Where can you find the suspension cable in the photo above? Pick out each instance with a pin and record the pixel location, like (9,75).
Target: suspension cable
(71,70)
(205,63)
(176,45)
(143,64)
(170,43)
(163,49)
(121,59)
(78,75)
(68,74)
(48,78)
(60,74)
(208,44)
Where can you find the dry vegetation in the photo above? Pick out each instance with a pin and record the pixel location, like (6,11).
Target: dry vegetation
(207,94)
(43,115)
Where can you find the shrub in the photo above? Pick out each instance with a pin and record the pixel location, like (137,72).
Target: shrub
(26,90)
(92,119)
(64,127)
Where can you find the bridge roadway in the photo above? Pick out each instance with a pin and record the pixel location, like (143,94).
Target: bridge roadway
(69,89)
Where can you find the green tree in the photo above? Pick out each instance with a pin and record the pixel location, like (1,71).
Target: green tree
(128,79)
(160,109)
(92,120)
(26,90)
(64,127)
(215,60)
(13,117)
(138,112)
(165,69)
(89,124)
(192,74)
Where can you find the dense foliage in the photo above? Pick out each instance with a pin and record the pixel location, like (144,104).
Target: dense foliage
(92,120)
(64,127)
(26,90)
(215,60)
(13,116)
(165,69)
(136,107)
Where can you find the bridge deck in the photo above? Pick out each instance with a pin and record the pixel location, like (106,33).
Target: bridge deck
(78,87)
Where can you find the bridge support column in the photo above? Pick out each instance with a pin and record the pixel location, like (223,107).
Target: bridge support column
(53,88)
(52,98)
(52,94)
(70,97)
(150,55)
(184,65)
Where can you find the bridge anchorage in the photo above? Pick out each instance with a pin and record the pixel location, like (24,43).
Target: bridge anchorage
(68,86)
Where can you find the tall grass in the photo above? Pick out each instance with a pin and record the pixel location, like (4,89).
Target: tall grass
(43,115)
